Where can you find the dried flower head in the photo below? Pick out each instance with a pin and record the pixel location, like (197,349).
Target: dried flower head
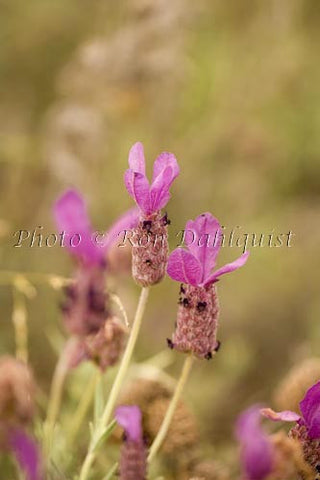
(150,250)
(183,434)
(198,310)
(133,461)
(105,347)
(296,383)
(17,392)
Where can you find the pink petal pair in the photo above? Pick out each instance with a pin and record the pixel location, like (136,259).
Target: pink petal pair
(72,218)
(150,198)
(194,265)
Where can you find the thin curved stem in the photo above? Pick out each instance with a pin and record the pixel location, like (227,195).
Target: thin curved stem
(115,390)
(55,398)
(83,407)
(172,408)
(19,319)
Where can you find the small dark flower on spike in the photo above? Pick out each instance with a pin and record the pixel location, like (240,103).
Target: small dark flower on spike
(146,224)
(133,460)
(170,343)
(165,219)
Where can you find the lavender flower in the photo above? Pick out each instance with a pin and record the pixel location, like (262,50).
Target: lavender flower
(149,257)
(133,463)
(86,309)
(307,428)
(256,448)
(198,310)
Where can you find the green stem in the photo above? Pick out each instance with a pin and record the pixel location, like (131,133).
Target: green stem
(115,390)
(19,319)
(83,407)
(55,397)
(171,409)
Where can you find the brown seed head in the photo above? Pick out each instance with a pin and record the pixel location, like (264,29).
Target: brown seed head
(17,392)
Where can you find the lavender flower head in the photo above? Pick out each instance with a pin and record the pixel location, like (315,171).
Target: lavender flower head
(133,461)
(86,308)
(256,448)
(307,428)
(198,311)
(149,259)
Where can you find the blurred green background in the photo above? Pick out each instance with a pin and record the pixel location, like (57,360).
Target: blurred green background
(232,88)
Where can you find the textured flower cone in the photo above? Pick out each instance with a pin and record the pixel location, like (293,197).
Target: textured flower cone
(310,448)
(17,391)
(294,386)
(85,307)
(133,461)
(197,321)
(150,250)
(106,346)
(183,434)
(289,462)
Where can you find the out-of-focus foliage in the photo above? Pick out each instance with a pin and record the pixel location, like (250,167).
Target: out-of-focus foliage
(232,88)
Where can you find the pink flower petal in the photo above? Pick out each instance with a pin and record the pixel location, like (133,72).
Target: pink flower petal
(284,416)
(71,217)
(184,267)
(138,187)
(165,170)
(229,267)
(127,221)
(204,241)
(163,161)
(310,409)
(159,191)
(129,417)
(137,161)
(27,454)
(256,448)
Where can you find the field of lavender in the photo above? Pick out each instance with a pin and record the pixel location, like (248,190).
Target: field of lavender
(159,228)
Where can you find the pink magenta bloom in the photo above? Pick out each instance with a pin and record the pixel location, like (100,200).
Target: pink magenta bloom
(133,461)
(256,448)
(129,417)
(194,264)
(150,198)
(71,217)
(310,413)
(27,454)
